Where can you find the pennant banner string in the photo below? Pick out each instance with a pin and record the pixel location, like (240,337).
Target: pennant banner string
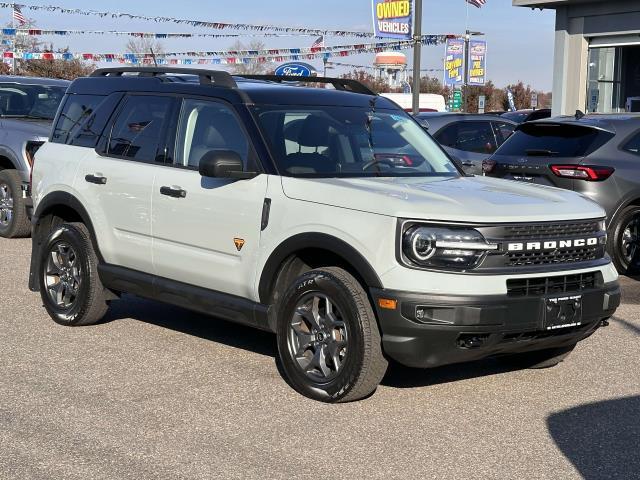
(39,31)
(193,23)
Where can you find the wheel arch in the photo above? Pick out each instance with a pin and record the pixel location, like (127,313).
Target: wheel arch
(312,250)
(56,208)
(6,162)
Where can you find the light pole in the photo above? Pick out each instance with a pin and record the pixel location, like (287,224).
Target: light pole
(417,50)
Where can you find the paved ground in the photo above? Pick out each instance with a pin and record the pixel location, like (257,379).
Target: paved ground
(157,392)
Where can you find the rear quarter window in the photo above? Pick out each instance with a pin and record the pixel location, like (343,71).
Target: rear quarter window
(75,112)
(554,140)
(633,145)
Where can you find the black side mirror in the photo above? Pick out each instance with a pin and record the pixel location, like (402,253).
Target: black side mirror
(223,164)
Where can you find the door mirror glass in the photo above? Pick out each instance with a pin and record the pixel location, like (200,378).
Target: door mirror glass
(222,164)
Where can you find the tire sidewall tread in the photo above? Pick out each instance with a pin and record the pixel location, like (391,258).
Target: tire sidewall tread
(20,226)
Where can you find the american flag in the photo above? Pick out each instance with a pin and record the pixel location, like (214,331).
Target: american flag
(319,43)
(477,3)
(18,16)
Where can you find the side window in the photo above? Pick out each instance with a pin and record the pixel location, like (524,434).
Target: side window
(75,112)
(139,130)
(633,145)
(503,131)
(472,136)
(205,126)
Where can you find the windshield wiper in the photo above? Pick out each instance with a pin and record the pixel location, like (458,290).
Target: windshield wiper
(540,153)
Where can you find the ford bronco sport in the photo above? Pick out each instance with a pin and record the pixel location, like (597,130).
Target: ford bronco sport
(325,215)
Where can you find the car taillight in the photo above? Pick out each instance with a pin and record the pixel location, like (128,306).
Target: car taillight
(30,150)
(583,172)
(488,166)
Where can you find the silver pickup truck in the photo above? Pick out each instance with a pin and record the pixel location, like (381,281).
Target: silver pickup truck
(27,108)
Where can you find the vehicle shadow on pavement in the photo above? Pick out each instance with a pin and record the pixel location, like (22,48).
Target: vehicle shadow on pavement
(191,323)
(399,376)
(600,439)
(626,324)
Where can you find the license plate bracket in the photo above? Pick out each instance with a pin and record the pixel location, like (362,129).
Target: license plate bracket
(563,312)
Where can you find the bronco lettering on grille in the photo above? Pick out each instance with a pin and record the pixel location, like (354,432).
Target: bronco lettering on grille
(552,244)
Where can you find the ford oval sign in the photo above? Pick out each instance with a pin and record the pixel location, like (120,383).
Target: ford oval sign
(295,70)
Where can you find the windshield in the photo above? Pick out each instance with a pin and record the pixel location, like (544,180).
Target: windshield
(350,142)
(30,101)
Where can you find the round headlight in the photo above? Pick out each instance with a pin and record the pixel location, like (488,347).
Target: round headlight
(423,245)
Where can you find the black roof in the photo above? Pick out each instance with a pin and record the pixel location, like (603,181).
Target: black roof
(264,90)
(53,82)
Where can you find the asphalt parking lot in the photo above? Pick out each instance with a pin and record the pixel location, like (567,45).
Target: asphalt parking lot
(156,392)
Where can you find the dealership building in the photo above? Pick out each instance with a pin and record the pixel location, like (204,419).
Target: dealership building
(597,54)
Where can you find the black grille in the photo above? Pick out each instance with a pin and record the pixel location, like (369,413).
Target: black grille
(523,287)
(547,230)
(562,255)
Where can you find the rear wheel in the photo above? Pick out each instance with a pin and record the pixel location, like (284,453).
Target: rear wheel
(624,243)
(14,222)
(70,288)
(539,359)
(328,338)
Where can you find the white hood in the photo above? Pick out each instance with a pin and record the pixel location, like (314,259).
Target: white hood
(464,199)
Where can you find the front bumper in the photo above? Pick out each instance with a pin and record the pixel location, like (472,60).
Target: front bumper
(456,328)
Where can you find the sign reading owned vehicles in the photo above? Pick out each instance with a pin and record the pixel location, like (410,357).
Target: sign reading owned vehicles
(454,62)
(293,69)
(477,62)
(392,18)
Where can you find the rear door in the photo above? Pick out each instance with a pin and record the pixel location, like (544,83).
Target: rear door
(115,180)
(529,154)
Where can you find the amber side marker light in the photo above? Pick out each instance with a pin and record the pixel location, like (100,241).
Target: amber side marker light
(387,303)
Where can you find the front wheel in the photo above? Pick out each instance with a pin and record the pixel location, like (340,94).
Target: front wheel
(70,288)
(14,221)
(624,241)
(328,338)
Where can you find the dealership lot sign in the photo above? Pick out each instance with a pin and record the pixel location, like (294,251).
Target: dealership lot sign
(392,18)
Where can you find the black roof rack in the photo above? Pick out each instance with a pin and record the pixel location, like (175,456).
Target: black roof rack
(207,77)
(346,84)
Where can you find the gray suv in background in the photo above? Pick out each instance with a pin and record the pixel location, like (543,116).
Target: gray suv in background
(27,108)
(596,155)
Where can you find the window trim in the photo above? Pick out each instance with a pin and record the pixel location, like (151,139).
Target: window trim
(623,144)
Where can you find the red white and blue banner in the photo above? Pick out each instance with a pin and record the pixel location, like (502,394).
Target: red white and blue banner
(393,18)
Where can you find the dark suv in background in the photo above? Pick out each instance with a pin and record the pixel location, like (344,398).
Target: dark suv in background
(596,155)
(468,138)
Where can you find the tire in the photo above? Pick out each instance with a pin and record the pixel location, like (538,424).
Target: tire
(342,360)
(68,271)
(624,241)
(14,222)
(539,359)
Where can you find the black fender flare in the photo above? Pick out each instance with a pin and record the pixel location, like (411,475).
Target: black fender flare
(46,205)
(321,241)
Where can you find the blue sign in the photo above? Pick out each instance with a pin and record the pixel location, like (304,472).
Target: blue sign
(477,62)
(393,18)
(454,62)
(293,69)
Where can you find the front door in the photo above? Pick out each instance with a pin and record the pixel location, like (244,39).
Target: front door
(206,231)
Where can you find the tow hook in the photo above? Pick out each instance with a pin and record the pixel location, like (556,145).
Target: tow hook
(604,323)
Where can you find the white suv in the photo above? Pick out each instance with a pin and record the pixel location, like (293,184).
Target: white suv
(326,215)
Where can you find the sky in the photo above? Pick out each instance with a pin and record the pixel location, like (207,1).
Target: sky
(520,40)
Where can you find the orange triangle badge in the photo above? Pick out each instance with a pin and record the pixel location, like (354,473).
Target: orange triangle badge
(239,243)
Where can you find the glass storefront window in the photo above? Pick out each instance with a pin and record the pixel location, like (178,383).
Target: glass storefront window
(603,90)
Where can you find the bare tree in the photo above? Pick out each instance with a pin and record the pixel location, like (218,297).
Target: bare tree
(252,68)
(144,45)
